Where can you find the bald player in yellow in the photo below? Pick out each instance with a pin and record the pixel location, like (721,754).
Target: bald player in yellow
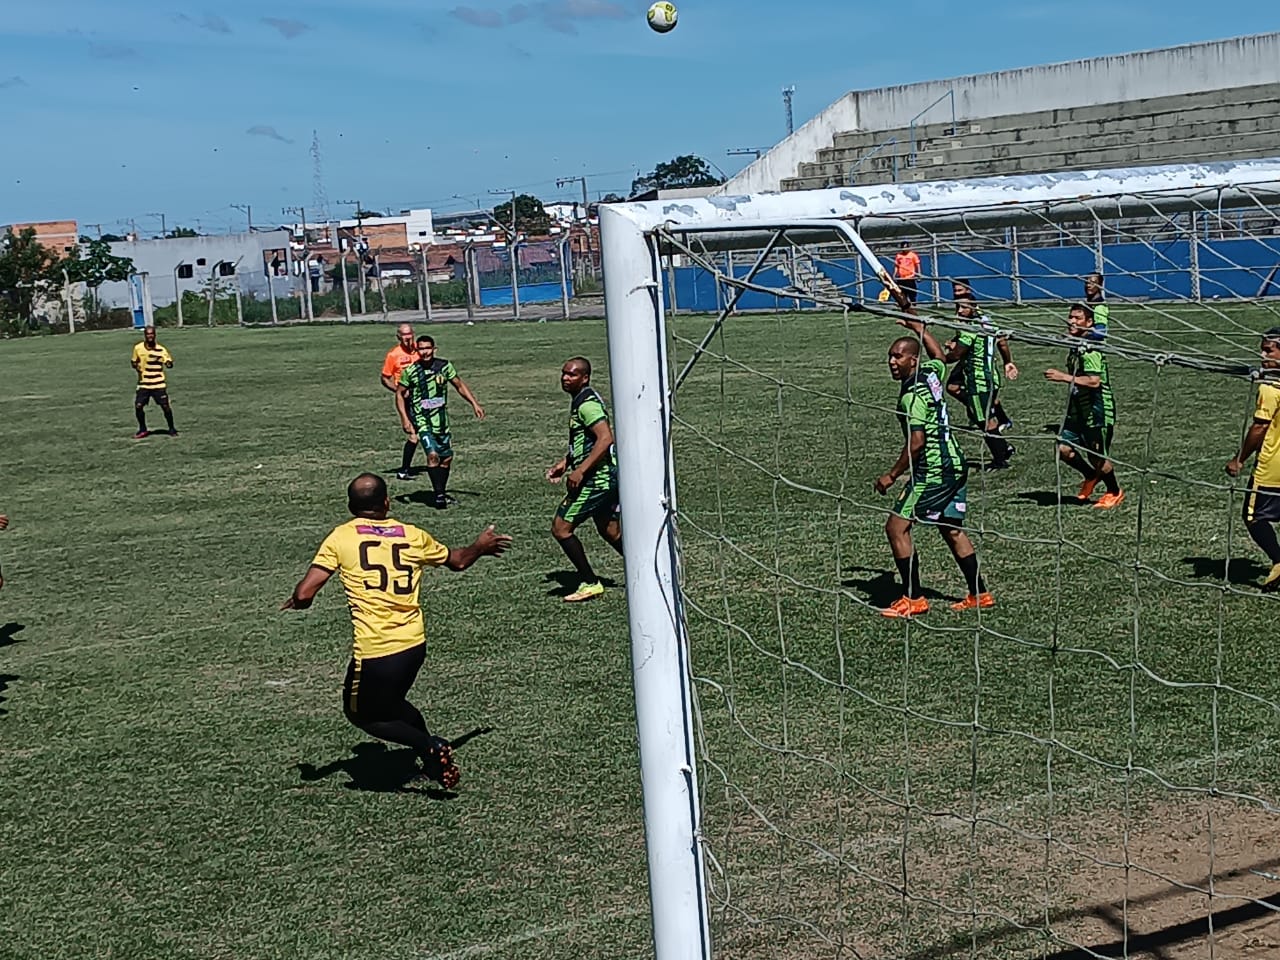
(380,562)
(1262,501)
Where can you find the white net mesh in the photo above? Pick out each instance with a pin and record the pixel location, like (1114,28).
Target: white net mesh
(1085,770)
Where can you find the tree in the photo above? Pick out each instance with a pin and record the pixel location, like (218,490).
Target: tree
(686,171)
(177,232)
(28,275)
(531,215)
(95,264)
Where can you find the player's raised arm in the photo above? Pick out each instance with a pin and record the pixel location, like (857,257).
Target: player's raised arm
(931,345)
(490,543)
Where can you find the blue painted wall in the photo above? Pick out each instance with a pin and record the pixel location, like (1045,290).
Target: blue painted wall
(529,293)
(1228,269)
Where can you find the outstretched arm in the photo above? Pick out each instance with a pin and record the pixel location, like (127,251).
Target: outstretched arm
(307,588)
(465,392)
(488,544)
(931,345)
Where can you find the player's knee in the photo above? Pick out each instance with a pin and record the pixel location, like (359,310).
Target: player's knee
(1065,452)
(561,529)
(433,460)
(446,462)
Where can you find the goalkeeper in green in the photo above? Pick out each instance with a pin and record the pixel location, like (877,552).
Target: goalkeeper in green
(983,361)
(421,398)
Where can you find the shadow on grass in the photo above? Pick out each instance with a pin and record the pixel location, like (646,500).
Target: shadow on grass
(378,768)
(1129,942)
(5,680)
(883,588)
(9,633)
(1051,498)
(427,498)
(1238,570)
(568,581)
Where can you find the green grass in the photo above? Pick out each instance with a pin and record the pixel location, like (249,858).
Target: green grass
(159,712)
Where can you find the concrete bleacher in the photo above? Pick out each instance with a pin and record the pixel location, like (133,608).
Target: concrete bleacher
(1225,124)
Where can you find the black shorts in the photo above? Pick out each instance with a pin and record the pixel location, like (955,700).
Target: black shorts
(146,394)
(376,686)
(909,288)
(1262,504)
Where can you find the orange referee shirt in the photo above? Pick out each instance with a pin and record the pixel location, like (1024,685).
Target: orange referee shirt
(396,360)
(906,265)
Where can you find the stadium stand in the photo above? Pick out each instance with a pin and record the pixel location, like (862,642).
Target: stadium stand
(1215,100)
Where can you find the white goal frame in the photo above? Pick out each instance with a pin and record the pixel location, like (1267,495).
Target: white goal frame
(635,237)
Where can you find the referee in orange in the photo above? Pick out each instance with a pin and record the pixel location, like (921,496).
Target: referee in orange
(403,354)
(906,268)
(380,562)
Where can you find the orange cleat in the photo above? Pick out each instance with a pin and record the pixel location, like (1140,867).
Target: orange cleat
(1086,489)
(1109,500)
(982,601)
(905,608)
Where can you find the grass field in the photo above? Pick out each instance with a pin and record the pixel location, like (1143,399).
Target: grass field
(178,780)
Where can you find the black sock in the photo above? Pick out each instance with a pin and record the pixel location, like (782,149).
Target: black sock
(1109,478)
(998,446)
(168,417)
(444,480)
(1264,535)
(909,573)
(1002,418)
(972,578)
(406,456)
(437,475)
(142,419)
(1076,462)
(573,549)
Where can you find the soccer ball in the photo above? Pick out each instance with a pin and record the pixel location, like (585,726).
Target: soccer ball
(662,16)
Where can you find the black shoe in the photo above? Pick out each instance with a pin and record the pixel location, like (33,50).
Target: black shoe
(404,475)
(438,765)
(173,433)
(441,502)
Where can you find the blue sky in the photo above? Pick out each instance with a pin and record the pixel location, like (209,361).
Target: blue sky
(118,109)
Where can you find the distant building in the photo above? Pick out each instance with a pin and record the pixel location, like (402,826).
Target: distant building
(176,265)
(57,235)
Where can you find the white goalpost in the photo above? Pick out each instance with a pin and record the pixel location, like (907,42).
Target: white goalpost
(832,757)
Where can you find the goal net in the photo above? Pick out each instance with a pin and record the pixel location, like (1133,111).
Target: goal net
(1085,769)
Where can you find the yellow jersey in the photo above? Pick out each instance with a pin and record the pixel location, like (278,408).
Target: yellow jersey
(380,563)
(1266,473)
(150,363)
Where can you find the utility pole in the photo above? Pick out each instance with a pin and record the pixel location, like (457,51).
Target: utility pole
(163,228)
(359,250)
(582,180)
(513,244)
(787,94)
(96,226)
(306,260)
(586,216)
(247,210)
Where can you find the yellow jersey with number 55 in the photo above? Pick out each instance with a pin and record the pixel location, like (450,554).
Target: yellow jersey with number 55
(380,563)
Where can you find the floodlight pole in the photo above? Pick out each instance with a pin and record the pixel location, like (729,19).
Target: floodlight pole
(177,289)
(659,643)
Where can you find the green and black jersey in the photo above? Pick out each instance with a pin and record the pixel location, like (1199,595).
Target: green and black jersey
(585,411)
(428,385)
(1090,407)
(922,408)
(982,367)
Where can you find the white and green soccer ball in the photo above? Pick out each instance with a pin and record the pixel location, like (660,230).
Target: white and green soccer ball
(662,16)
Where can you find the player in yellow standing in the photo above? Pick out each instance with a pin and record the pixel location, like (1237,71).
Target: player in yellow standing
(380,562)
(1262,502)
(151,360)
